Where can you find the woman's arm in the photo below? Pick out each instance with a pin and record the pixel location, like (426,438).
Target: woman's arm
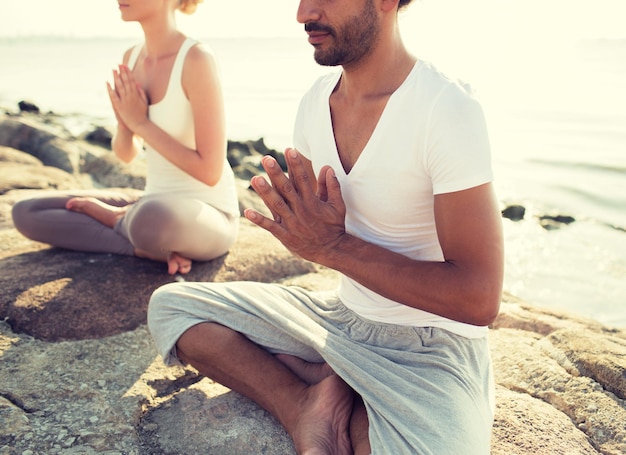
(203,89)
(125,144)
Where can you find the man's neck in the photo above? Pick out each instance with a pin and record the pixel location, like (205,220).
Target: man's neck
(378,74)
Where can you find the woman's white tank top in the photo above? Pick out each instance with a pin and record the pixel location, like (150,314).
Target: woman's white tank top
(173,114)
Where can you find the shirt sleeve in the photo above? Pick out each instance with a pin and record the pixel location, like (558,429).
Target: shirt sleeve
(458,153)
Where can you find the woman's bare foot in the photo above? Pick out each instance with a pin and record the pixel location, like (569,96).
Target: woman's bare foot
(323,425)
(309,372)
(98,210)
(175,262)
(178,264)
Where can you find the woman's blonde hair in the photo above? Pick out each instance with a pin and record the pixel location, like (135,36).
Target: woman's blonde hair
(188,6)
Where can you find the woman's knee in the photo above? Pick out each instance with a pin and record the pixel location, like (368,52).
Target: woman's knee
(19,211)
(152,211)
(150,223)
(22,215)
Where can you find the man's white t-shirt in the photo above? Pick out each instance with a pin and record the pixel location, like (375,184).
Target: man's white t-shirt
(430,139)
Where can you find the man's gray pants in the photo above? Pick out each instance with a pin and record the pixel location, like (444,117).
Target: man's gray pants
(426,390)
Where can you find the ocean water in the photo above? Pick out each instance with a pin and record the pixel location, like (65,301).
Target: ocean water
(557,122)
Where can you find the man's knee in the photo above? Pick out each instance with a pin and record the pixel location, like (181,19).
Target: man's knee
(160,305)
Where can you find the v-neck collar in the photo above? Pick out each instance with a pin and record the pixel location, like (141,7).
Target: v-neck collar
(365,152)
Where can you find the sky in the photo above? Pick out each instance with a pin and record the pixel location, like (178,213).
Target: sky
(482,20)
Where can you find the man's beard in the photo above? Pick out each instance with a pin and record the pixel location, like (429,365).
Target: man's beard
(352,40)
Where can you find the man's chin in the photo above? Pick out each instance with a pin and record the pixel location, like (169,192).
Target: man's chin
(325,60)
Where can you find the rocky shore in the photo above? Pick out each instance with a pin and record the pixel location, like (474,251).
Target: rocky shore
(79,373)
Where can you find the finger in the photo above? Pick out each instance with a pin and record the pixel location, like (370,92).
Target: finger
(127,76)
(115,80)
(333,188)
(264,222)
(123,70)
(142,94)
(124,84)
(113,97)
(111,91)
(322,189)
(271,198)
(280,182)
(118,84)
(300,175)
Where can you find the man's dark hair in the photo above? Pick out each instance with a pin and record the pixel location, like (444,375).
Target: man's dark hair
(403,3)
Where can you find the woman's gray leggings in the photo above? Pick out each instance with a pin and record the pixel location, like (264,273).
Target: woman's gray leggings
(155,225)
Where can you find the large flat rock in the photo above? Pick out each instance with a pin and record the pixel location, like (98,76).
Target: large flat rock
(55,294)
(79,373)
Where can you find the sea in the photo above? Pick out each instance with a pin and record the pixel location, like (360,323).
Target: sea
(556,116)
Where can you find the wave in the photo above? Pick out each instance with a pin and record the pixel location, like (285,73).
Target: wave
(593,167)
(589,206)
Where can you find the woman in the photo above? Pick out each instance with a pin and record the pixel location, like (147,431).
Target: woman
(167,99)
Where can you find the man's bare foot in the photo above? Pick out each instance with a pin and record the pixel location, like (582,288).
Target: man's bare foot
(98,210)
(323,425)
(359,428)
(178,264)
(309,372)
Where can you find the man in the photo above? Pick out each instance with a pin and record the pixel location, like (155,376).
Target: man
(396,360)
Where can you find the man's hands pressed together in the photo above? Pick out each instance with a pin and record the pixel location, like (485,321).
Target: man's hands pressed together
(309,214)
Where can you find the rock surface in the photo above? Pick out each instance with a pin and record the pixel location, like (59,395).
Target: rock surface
(79,373)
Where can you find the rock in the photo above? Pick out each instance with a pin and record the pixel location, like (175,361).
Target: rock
(239,151)
(245,157)
(11,155)
(514,212)
(80,373)
(100,136)
(576,365)
(20,170)
(260,147)
(550,222)
(108,171)
(238,426)
(15,176)
(28,136)
(28,106)
(539,428)
(114,393)
(599,356)
(37,301)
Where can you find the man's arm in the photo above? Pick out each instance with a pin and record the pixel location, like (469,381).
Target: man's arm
(465,287)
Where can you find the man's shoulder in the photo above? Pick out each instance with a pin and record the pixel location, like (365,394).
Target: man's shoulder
(433,87)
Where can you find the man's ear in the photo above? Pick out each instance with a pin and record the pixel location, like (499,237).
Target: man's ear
(389,5)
